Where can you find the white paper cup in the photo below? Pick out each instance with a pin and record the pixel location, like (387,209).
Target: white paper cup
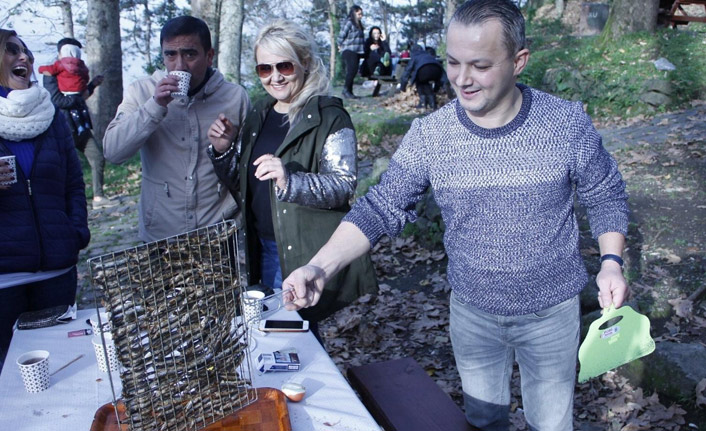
(184,80)
(10,161)
(104,323)
(252,306)
(34,367)
(112,353)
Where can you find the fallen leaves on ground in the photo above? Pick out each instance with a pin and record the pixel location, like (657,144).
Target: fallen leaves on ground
(396,324)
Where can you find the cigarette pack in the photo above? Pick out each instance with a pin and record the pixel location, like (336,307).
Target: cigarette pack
(278,361)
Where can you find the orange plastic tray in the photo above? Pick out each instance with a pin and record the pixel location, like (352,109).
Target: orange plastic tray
(268,413)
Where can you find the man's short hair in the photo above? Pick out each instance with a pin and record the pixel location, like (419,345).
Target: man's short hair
(476,12)
(68,41)
(184,26)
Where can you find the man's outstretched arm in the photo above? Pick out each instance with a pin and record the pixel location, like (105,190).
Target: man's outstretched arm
(304,285)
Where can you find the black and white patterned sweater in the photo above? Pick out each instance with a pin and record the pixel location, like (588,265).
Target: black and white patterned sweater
(507,199)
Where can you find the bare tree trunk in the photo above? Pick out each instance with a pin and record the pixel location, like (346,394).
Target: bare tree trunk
(629,16)
(104,57)
(451,6)
(230,38)
(67,18)
(332,35)
(210,11)
(382,8)
(559,7)
(147,16)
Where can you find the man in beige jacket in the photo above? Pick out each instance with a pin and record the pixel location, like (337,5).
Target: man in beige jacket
(180,190)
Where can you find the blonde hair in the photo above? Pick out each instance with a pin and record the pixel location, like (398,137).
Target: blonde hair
(289,40)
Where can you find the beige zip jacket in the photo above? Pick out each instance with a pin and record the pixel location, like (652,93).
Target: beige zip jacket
(180,190)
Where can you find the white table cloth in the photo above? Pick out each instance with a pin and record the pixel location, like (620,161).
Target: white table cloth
(77,391)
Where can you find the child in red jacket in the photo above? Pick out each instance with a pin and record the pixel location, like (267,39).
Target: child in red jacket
(70,71)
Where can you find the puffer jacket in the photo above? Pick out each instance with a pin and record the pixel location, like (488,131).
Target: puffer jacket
(300,230)
(43,217)
(179,190)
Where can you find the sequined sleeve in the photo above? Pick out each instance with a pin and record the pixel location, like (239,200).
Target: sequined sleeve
(335,184)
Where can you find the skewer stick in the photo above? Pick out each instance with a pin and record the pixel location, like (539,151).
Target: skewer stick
(69,363)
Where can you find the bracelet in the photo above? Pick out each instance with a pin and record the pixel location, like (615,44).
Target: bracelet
(613,257)
(217,155)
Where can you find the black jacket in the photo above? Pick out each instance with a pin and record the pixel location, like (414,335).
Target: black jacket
(43,217)
(67,103)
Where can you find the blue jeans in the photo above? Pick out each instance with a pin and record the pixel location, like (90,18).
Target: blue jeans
(269,262)
(544,344)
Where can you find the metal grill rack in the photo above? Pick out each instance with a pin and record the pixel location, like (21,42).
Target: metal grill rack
(183,350)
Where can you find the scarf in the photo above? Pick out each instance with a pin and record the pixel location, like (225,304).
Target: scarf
(25,114)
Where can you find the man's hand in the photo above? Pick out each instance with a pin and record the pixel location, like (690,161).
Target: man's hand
(164,89)
(222,133)
(303,287)
(612,285)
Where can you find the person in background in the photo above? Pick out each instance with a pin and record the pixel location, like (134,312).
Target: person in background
(43,221)
(350,44)
(73,105)
(180,191)
(70,71)
(426,73)
(377,55)
(295,168)
(504,162)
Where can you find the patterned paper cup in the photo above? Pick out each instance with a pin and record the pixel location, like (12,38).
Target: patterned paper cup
(252,306)
(110,349)
(10,161)
(104,323)
(184,80)
(34,367)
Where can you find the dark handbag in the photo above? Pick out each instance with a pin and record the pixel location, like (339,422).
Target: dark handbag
(46,317)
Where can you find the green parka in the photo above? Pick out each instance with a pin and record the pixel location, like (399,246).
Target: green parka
(300,231)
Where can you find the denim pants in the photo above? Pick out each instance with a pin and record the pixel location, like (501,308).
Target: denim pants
(350,63)
(269,262)
(544,344)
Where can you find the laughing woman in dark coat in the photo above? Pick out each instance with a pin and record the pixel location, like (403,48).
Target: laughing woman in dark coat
(43,218)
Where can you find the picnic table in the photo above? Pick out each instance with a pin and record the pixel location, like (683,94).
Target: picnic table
(679,16)
(79,390)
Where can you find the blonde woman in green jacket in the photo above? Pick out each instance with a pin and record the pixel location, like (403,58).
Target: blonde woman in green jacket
(294,171)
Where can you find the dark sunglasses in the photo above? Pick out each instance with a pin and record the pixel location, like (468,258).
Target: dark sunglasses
(285,68)
(15,49)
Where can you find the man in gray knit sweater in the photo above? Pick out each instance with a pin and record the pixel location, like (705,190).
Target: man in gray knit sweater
(504,162)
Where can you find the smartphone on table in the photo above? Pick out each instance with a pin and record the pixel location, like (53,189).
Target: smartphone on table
(270,325)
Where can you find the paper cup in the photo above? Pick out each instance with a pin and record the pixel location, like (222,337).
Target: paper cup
(10,161)
(34,367)
(105,324)
(184,80)
(252,306)
(100,353)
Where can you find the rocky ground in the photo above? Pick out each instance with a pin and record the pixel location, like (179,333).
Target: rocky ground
(663,160)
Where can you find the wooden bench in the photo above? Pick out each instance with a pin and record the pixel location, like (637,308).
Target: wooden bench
(678,16)
(402,397)
(379,80)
